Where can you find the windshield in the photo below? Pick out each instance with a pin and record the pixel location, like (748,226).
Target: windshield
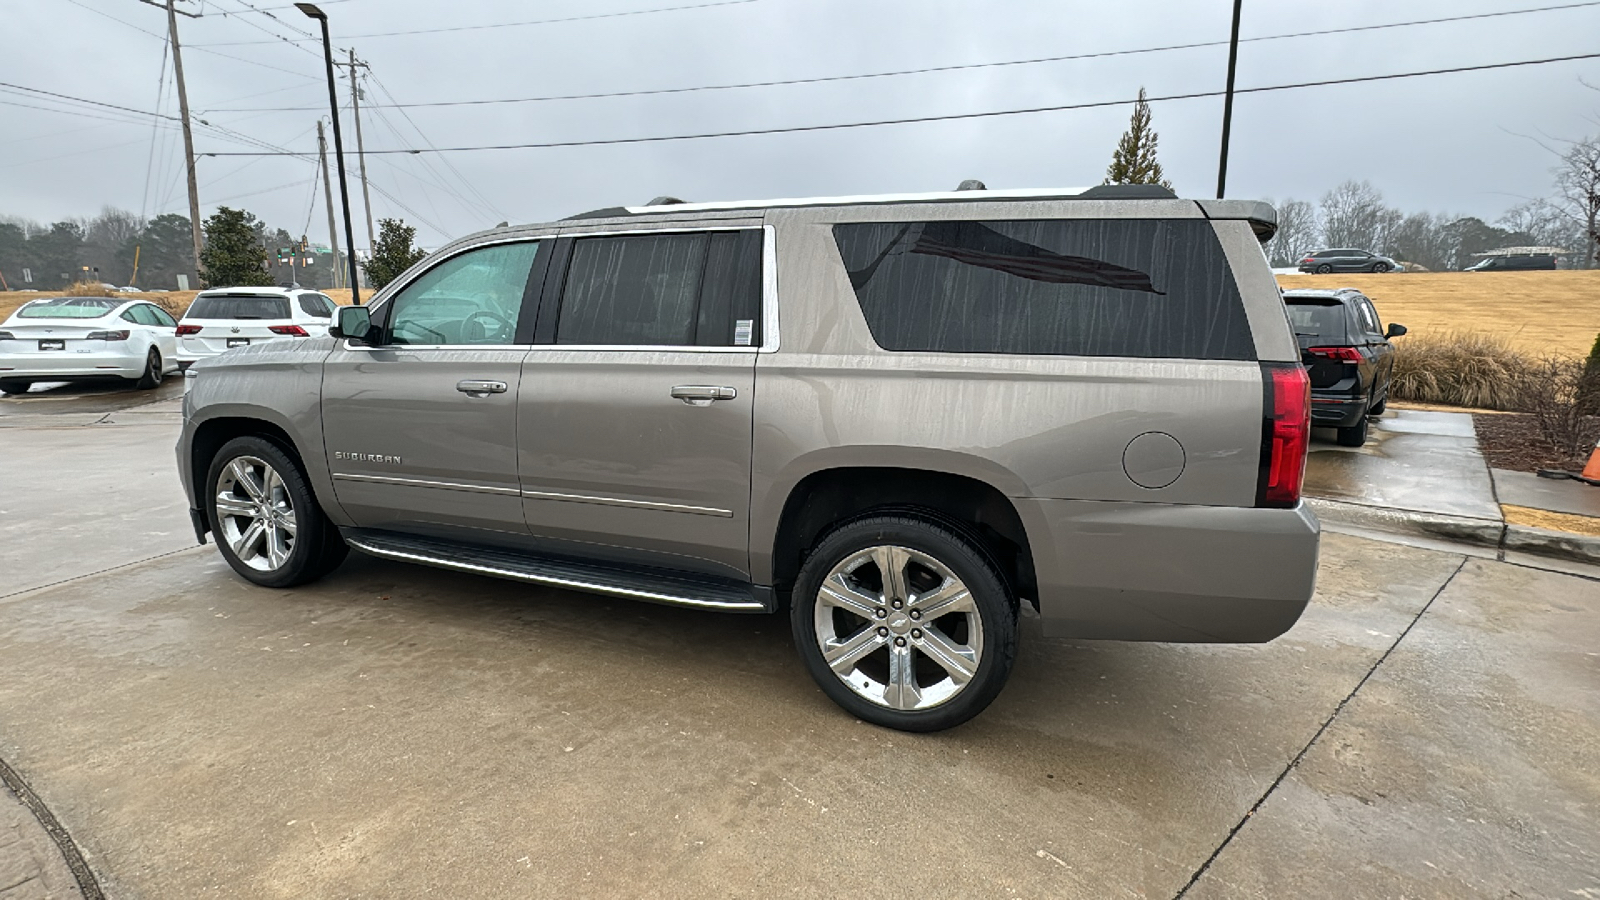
(239,306)
(69,308)
(1315,321)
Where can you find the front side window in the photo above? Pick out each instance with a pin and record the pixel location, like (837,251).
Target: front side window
(1158,288)
(471,298)
(663,290)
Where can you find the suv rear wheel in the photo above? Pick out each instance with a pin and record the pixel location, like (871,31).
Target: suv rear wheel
(1324,269)
(1354,436)
(15,387)
(904,623)
(266,520)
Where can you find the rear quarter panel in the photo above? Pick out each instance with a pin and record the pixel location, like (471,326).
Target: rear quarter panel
(1030,426)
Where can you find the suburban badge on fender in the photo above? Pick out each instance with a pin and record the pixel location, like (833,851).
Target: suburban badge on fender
(367,457)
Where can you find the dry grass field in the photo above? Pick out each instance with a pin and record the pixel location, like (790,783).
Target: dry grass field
(174,302)
(1539,313)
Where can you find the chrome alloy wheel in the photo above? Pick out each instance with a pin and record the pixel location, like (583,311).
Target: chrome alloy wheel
(899,628)
(256,514)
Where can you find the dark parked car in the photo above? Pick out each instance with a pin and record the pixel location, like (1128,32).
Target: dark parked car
(1347,352)
(1514,262)
(1346,260)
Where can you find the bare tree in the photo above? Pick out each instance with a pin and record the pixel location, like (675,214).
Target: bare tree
(1545,224)
(1578,190)
(1297,233)
(1424,239)
(1354,215)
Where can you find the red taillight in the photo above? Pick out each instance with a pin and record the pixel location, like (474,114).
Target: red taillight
(1285,434)
(185,330)
(292,330)
(106,336)
(1343,354)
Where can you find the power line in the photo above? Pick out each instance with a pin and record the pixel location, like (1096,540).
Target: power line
(487,204)
(977,115)
(613,15)
(823,79)
(138,112)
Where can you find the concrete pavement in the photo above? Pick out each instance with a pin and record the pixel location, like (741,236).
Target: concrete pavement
(403,731)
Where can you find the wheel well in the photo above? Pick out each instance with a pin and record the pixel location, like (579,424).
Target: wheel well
(212,434)
(977,510)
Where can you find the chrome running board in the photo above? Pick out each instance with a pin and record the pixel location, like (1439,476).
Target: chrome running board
(650,585)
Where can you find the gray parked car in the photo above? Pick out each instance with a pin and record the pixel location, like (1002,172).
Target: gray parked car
(901,417)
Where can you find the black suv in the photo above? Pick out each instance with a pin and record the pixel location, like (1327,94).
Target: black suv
(1347,351)
(1346,260)
(1514,262)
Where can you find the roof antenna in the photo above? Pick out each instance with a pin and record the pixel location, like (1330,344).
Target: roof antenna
(664,201)
(972,184)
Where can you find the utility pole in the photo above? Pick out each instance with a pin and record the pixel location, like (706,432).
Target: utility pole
(188,135)
(1227,103)
(361,150)
(327,190)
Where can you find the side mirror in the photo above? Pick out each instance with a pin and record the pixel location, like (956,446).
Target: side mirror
(1394,330)
(352,323)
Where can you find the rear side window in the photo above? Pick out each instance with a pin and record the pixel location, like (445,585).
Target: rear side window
(312,305)
(238,306)
(161,317)
(663,290)
(1086,287)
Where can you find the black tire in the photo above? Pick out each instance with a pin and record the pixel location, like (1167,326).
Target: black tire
(1354,436)
(15,387)
(1379,409)
(154,371)
(1324,269)
(316,548)
(987,617)
(1380,267)
(183,366)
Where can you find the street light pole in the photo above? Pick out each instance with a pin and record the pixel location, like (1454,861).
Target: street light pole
(1227,103)
(338,148)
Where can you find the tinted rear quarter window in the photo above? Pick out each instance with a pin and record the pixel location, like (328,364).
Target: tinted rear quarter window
(312,305)
(1077,287)
(239,306)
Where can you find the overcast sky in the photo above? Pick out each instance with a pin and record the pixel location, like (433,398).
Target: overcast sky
(1443,143)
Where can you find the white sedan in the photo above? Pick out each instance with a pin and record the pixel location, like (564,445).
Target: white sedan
(84,338)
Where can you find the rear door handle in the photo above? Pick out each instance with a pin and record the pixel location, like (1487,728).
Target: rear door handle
(480,388)
(702,394)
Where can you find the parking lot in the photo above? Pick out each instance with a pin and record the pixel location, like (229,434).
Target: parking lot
(1430,728)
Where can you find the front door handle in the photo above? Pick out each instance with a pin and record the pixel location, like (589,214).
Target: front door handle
(702,394)
(481,388)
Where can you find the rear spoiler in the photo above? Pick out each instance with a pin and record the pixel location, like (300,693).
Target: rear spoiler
(1262,217)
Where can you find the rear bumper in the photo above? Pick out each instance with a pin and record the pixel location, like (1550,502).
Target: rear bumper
(1156,572)
(1336,411)
(71,365)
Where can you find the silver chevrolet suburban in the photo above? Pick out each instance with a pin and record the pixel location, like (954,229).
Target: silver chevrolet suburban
(901,417)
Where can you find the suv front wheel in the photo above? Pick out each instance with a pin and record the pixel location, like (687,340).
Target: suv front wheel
(265,518)
(904,623)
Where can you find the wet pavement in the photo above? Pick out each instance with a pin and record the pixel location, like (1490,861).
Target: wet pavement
(392,730)
(1413,460)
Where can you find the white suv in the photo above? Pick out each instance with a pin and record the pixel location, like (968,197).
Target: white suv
(222,319)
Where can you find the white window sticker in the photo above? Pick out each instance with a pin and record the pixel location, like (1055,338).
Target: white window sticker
(742,330)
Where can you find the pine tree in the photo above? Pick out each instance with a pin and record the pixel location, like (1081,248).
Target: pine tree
(1134,160)
(233,255)
(393,252)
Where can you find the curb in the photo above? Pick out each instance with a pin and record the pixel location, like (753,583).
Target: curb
(1469,529)
(1560,544)
(1490,533)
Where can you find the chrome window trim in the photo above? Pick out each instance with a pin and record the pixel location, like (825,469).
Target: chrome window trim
(421,482)
(632,504)
(769,295)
